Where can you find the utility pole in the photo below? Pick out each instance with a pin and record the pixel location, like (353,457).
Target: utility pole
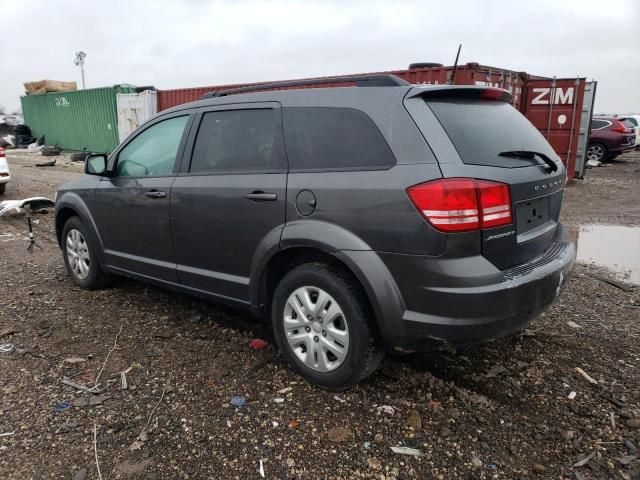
(79,61)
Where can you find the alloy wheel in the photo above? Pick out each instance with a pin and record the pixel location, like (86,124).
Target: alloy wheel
(595,153)
(316,329)
(78,254)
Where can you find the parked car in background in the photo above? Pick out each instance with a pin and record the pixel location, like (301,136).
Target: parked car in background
(609,138)
(5,176)
(633,121)
(359,220)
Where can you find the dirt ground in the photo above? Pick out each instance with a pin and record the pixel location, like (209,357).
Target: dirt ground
(503,410)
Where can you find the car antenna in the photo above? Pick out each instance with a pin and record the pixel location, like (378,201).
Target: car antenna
(455,67)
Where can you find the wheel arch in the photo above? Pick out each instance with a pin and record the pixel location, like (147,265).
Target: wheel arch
(359,261)
(72,205)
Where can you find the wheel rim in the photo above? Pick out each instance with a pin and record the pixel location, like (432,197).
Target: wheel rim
(78,254)
(595,152)
(316,329)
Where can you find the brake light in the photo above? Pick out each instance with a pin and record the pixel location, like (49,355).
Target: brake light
(492,94)
(2,152)
(620,128)
(462,204)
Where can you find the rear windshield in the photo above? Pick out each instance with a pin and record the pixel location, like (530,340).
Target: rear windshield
(628,123)
(481,129)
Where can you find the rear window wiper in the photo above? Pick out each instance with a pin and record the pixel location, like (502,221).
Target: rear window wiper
(531,155)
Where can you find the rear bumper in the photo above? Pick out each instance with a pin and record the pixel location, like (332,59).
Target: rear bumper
(475,303)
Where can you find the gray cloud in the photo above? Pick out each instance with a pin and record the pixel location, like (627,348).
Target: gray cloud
(198,42)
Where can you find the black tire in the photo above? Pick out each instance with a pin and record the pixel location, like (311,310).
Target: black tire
(79,157)
(365,349)
(3,187)
(597,151)
(96,277)
(424,65)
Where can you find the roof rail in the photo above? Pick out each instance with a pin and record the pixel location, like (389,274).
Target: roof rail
(359,80)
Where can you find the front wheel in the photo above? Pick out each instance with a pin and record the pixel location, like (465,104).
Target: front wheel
(80,256)
(323,328)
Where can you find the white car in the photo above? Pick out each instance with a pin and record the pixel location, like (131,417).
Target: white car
(5,176)
(632,120)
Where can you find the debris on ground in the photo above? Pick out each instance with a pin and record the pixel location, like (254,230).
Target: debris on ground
(586,376)
(407,451)
(46,164)
(340,434)
(238,401)
(62,406)
(584,461)
(611,281)
(90,401)
(258,344)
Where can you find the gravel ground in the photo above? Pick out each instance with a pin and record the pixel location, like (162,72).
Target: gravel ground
(498,410)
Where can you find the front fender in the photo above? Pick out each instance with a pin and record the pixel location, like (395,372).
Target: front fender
(73,201)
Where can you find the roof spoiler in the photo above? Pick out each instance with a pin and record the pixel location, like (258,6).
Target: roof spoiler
(358,81)
(455,91)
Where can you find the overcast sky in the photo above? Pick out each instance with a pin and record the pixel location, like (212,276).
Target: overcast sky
(198,43)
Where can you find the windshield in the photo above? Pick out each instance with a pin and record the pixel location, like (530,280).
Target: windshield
(482,129)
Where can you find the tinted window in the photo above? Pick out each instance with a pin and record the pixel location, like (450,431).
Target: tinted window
(237,140)
(628,123)
(333,139)
(154,151)
(596,124)
(481,129)
(633,120)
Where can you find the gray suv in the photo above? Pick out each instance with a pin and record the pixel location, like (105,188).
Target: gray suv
(369,217)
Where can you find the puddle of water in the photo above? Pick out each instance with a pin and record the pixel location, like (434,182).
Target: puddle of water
(615,247)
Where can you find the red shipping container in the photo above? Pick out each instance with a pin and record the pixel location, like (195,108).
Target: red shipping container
(555,106)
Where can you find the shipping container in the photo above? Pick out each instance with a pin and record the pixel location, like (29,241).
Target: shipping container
(559,108)
(134,109)
(76,120)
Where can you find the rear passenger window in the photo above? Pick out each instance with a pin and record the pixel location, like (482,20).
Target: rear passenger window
(320,138)
(237,140)
(596,124)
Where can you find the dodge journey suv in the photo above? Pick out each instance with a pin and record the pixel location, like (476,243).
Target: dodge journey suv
(368,216)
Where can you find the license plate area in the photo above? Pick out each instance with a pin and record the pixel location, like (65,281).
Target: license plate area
(532,214)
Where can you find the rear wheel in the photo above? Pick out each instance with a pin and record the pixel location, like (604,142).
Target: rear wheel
(321,324)
(596,152)
(80,256)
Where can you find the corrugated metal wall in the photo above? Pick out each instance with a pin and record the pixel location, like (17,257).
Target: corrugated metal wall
(76,120)
(133,110)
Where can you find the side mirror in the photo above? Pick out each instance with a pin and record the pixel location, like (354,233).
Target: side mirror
(96,164)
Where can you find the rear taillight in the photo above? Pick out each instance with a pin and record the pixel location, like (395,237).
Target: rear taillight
(620,128)
(2,152)
(462,204)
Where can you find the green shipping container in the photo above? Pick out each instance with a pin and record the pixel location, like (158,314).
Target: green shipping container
(76,120)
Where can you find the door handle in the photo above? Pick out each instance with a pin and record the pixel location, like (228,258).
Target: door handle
(260,196)
(155,194)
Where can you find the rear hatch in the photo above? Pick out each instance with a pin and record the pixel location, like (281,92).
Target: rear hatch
(495,142)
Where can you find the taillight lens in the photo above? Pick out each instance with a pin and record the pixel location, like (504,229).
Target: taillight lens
(2,152)
(620,128)
(462,204)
